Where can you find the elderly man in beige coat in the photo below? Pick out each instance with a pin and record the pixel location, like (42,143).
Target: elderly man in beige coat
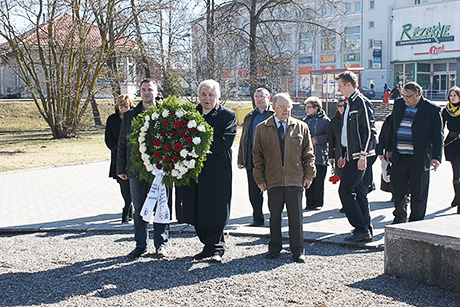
(284,163)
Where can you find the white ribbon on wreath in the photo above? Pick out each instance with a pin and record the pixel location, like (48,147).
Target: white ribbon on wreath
(156,201)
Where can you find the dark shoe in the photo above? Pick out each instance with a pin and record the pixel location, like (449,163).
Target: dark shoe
(458,209)
(342,210)
(395,221)
(299,258)
(125,216)
(359,237)
(313,208)
(130,213)
(256,224)
(456,200)
(272,255)
(161,252)
(201,255)
(137,252)
(216,258)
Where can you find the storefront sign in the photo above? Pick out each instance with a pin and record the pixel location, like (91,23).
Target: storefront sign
(414,35)
(327,58)
(306,60)
(351,57)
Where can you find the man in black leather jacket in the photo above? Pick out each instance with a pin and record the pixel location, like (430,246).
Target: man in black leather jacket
(358,140)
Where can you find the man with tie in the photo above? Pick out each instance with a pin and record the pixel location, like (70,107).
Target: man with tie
(284,164)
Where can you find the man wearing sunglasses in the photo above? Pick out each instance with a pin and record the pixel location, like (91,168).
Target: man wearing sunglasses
(414,144)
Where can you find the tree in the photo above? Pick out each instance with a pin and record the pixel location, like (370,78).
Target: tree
(62,55)
(171,84)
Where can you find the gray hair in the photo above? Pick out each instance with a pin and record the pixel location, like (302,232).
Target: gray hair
(211,84)
(315,102)
(283,95)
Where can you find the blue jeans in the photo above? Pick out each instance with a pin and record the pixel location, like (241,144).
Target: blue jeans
(139,190)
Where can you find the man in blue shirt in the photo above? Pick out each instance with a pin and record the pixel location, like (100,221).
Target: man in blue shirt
(262,111)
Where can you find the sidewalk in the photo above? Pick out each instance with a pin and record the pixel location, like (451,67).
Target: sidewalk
(81,197)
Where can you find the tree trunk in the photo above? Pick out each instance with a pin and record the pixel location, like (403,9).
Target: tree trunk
(96,114)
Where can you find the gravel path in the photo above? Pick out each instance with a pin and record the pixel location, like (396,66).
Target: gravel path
(90,269)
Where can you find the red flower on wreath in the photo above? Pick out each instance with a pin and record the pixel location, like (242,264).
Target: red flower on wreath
(182,133)
(159,166)
(162,132)
(175,159)
(158,154)
(192,130)
(166,122)
(176,124)
(171,113)
(178,147)
(168,168)
(188,140)
(173,133)
(156,142)
(167,147)
(167,158)
(183,123)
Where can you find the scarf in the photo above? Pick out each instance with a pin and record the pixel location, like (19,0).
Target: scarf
(453,110)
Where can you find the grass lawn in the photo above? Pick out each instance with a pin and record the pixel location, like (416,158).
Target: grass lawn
(26,142)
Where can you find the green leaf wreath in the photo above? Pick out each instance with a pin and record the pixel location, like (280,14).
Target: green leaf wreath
(173,137)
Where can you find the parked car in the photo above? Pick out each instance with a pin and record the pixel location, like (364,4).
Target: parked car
(369,93)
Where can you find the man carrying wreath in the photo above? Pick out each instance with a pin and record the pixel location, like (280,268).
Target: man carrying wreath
(139,188)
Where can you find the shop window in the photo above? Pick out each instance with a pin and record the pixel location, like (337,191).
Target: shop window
(398,73)
(353,38)
(423,67)
(408,72)
(440,67)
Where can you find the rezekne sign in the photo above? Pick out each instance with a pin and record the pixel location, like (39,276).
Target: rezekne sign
(428,32)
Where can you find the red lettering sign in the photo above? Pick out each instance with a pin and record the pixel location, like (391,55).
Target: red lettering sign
(436,50)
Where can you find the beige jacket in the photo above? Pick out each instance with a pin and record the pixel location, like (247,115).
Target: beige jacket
(299,160)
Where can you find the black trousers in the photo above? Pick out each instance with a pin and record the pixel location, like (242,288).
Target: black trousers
(403,176)
(212,238)
(256,198)
(292,197)
(315,194)
(125,192)
(353,195)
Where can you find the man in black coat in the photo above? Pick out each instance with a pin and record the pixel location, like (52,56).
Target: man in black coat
(139,188)
(414,144)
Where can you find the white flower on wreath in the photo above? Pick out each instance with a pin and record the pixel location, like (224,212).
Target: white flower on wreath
(193,153)
(165,113)
(183,153)
(141,138)
(180,113)
(191,124)
(175,173)
(201,128)
(196,140)
(155,116)
(142,148)
(144,129)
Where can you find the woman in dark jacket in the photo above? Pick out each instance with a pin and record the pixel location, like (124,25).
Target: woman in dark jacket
(112,131)
(206,200)
(451,116)
(335,147)
(318,123)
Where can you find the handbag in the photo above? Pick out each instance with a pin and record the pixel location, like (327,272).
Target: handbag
(386,170)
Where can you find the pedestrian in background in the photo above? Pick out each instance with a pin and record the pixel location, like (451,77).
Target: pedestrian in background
(284,164)
(335,149)
(261,112)
(451,117)
(386,99)
(206,200)
(112,132)
(318,124)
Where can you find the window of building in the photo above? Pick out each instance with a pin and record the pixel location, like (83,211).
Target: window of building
(423,67)
(417,1)
(357,6)
(333,11)
(282,43)
(371,4)
(324,11)
(369,64)
(371,24)
(305,42)
(353,38)
(328,41)
(371,43)
(347,8)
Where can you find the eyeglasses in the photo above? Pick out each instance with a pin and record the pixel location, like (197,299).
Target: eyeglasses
(309,107)
(340,106)
(407,96)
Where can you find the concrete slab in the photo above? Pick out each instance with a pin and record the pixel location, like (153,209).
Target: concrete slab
(425,251)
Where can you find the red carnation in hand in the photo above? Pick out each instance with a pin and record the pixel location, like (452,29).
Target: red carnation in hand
(175,159)
(158,154)
(162,132)
(334,179)
(182,133)
(167,147)
(166,122)
(176,124)
(156,142)
(168,168)
(159,166)
(178,147)
(183,123)
(188,140)
(173,134)
(192,130)
(167,158)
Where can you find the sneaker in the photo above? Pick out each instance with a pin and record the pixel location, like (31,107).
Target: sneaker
(161,252)
(137,252)
(216,258)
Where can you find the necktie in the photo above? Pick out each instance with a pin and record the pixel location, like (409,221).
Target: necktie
(281,130)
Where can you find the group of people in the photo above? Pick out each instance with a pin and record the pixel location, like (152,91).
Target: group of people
(285,156)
